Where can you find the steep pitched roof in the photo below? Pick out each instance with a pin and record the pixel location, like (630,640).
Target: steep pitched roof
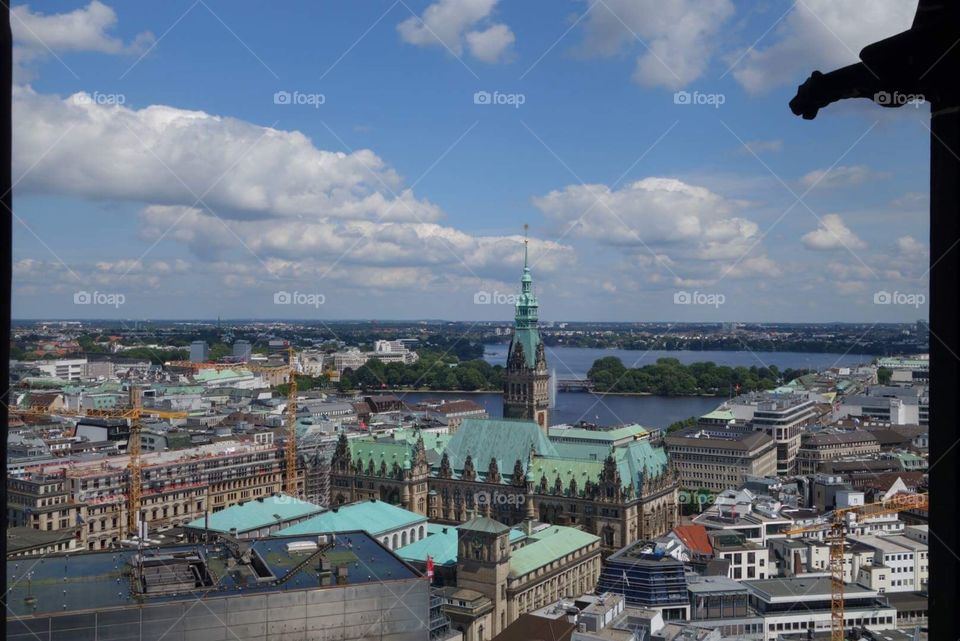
(501,439)
(695,538)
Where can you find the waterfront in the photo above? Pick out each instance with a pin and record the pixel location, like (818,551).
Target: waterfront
(650,411)
(573,362)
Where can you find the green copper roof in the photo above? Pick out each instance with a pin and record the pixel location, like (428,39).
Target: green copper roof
(637,458)
(719,415)
(373,517)
(526,317)
(502,439)
(440,545)
(528,339)
(256,514)
(547,546)
(431,440)
(386,451)
(484,524)
(568,469)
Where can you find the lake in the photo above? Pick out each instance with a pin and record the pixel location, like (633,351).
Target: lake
(573,362)
(650,411)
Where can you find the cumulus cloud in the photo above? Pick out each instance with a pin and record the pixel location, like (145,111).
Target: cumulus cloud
(456,24)
(85,29)
(819,34)
(832,234)
(160,154)
(683,228)
(910,246)
(676,37)
(842,176)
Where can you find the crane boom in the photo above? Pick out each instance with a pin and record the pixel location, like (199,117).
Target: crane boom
(291,445)
(836,537)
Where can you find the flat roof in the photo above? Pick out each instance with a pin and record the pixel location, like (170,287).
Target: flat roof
(256,514)
(375,517)
(785,589)
(101,580)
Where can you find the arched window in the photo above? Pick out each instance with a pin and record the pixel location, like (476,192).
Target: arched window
(394,546)
(420,533)
(403,538)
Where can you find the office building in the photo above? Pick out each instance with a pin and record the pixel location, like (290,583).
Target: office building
(199,352)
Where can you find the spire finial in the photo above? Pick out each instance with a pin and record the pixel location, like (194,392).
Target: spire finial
(526,242)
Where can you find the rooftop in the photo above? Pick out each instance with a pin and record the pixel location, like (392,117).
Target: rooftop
(101,580)
(375,517)
(256,514)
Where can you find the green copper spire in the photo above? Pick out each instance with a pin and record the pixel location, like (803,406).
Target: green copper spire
(526,307)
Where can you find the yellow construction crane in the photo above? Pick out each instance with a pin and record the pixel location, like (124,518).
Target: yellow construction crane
(836,536)
(133,413)
(291,446)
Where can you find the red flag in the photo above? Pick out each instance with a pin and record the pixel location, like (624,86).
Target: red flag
(429,567)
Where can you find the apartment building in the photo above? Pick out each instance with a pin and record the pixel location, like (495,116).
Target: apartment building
(900,564)
(178,487)
(719,458)
(819,448)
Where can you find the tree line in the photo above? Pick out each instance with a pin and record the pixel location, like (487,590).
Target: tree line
(669,377)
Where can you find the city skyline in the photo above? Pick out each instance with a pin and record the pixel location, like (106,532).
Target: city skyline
(381,162)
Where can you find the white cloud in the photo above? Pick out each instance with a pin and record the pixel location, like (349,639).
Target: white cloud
(832,234)
(819,34)
(162,154)
(491,45)
(842,176)
(910,246)
(666,224)
(455,23)
(676,37)
(86,29)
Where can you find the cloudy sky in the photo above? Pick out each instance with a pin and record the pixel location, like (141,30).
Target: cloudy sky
(378,159)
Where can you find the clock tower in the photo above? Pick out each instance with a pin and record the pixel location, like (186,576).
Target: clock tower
(526,386)
(483,564)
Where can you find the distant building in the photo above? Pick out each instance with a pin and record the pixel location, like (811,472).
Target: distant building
(242,350)
(816,449)
(199,352)
(68,369)
(718,459)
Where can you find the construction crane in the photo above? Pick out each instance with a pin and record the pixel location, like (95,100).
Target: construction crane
(836,536)
(291,445)
(133,413)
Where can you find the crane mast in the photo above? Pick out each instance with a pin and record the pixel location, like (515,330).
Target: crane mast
(291,445)
(836,537)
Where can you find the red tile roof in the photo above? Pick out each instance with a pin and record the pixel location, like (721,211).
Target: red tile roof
(695,538)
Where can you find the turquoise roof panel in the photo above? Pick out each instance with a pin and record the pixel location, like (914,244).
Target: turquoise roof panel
(373,517)
(256,514)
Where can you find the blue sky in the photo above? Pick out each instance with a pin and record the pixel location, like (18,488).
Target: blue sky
(161,166)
